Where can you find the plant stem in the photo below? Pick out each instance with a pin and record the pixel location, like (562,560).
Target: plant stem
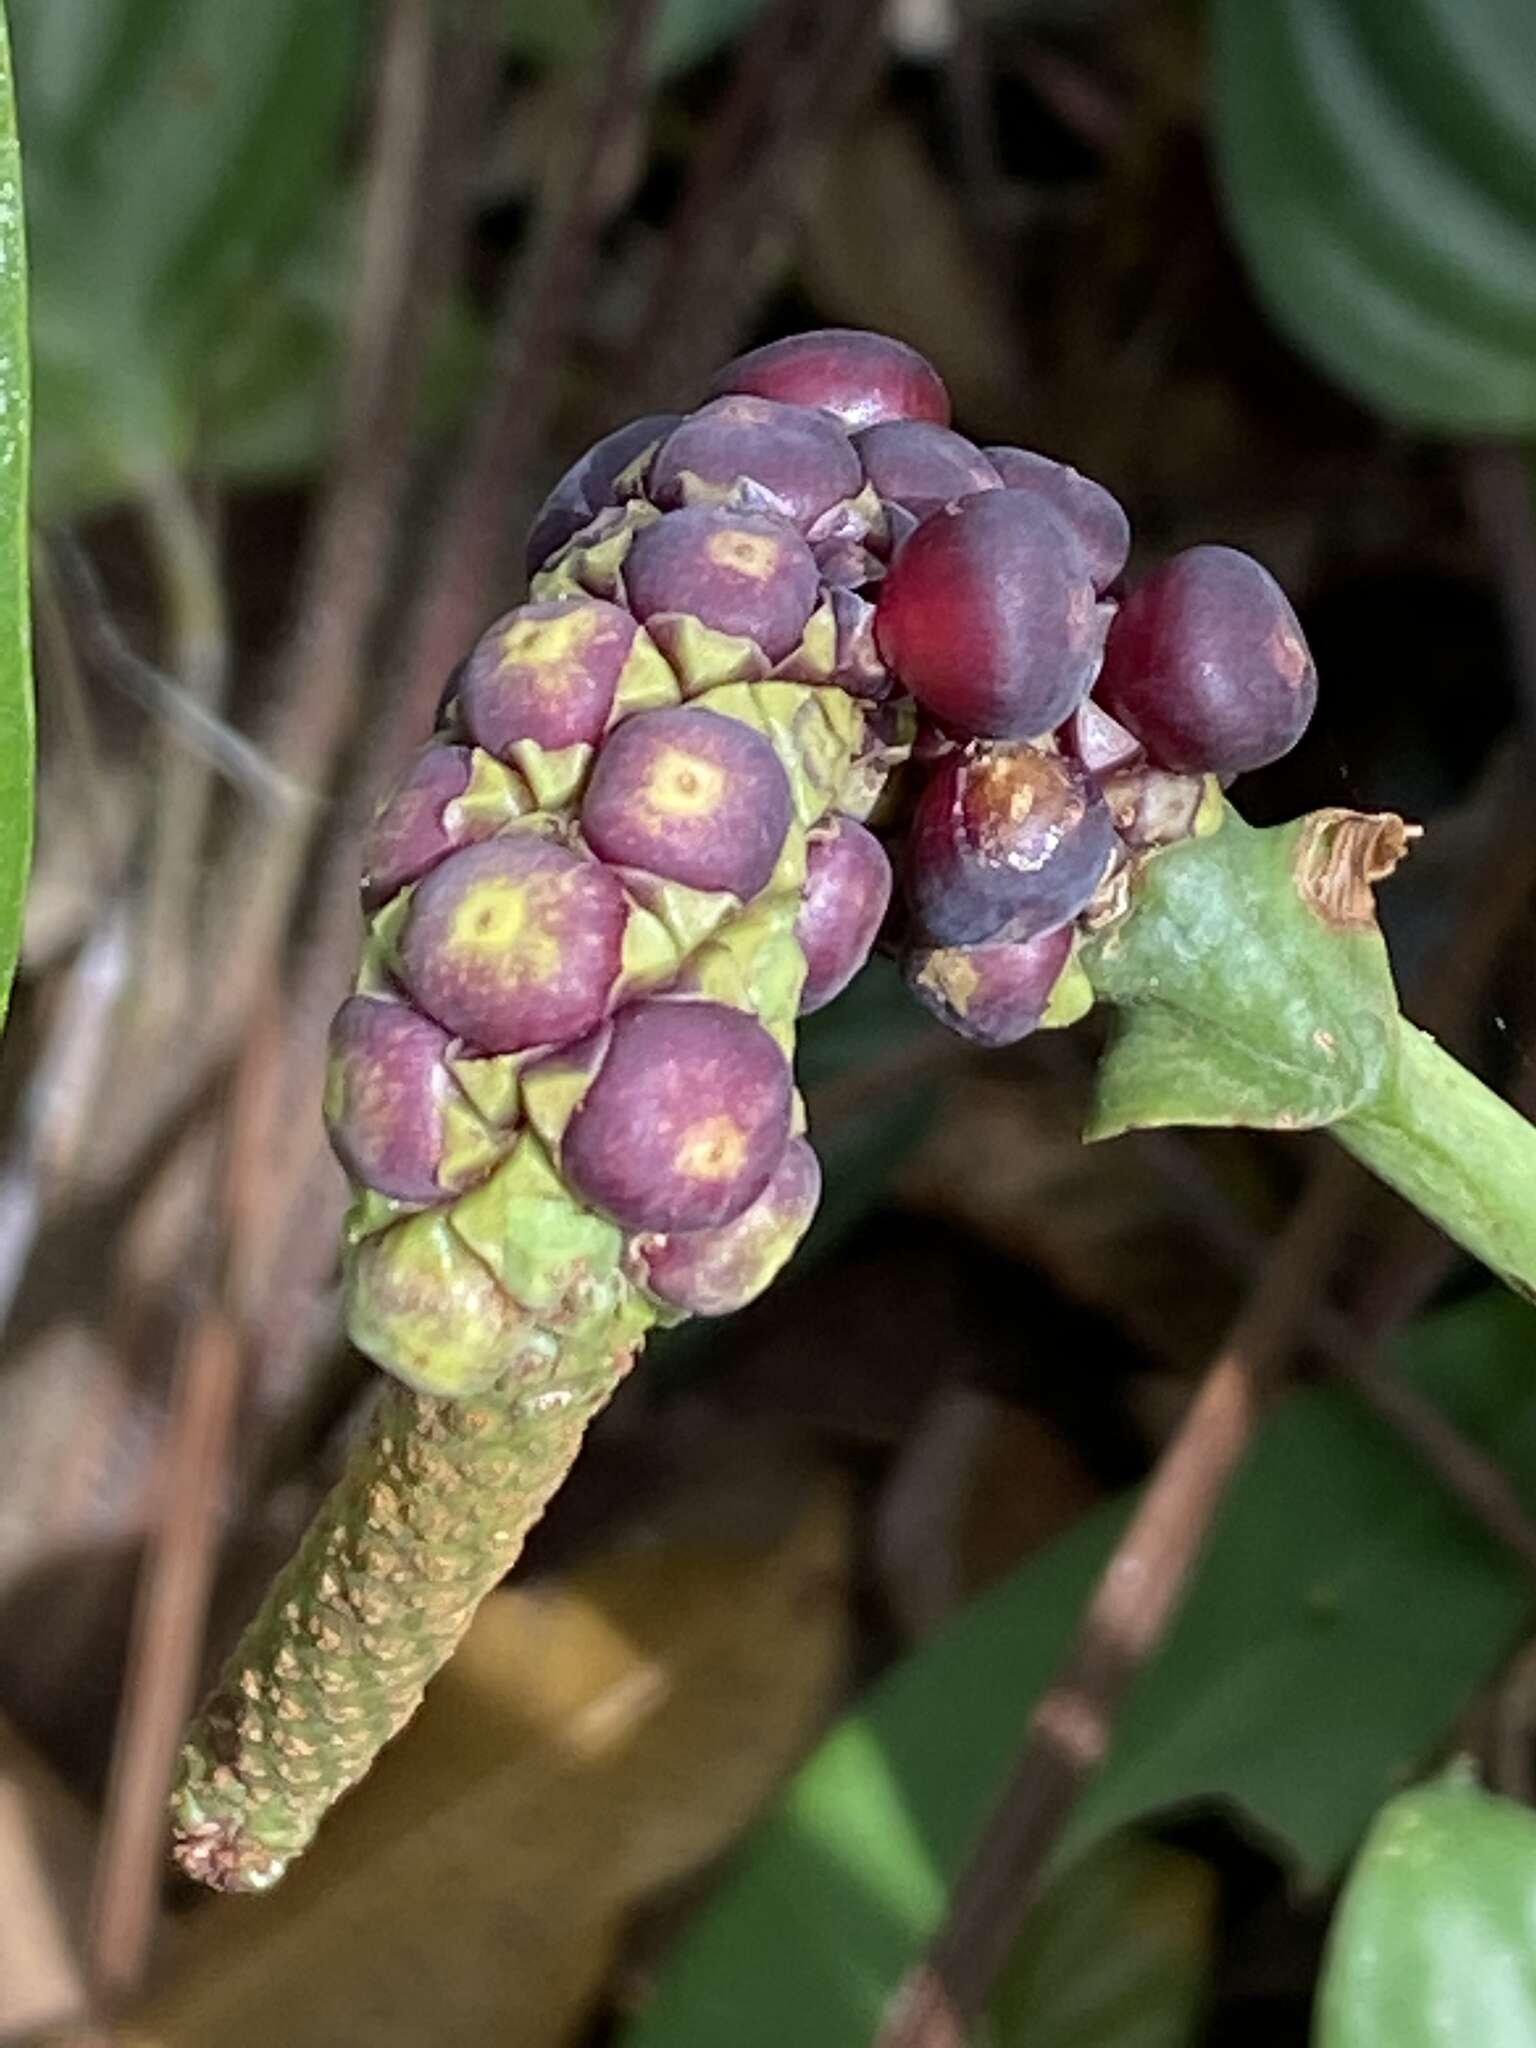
(1458,1152)
(431,1512)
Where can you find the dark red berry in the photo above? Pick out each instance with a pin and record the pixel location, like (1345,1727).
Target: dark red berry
(692,796)
(748,573)
(921,466)
(992,995)
(546,672)
(716,1272)
(386,1091)
(1097,518)
(988,615)
(1006,841)
(432,813)
(802,460)
(514,943)
(587,485)
(847,893)
(858,376)
(1207,665)
(685,1121)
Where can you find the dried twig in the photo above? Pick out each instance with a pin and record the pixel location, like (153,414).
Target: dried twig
(1137,1594)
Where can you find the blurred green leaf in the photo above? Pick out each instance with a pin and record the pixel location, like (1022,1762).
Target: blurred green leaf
(183,156)
(1342,1616)
(575,31)
(1379,161)
(15,613)
(1239,1002)
(1118,1954)
(1432,1945)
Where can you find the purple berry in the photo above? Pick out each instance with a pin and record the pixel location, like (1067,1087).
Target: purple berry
(385,1093)
(587,485)
(847,893)
(686,1120)
(425,819)
(716,1272)
(992,995)
(546,672)
(1098,519)
(802,460)
(692,796)
(989,616)
(1097,742)
(1207,665)
(921,466)
(856,664)
(514,943)
(1007,841)
(747,573)
(857,376)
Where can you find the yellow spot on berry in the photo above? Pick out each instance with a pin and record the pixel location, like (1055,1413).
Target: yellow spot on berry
(683,785)
(712,1149)
(755,555)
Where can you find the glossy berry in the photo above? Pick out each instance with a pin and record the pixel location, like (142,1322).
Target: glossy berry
(741,446)
(994,994)
(514,943)
(847,893)
(921,466)
(747,573)
(1097,518)
(685,1121)
(1207,665)
(387,1088)
(546,672)
(1006,841)
(857,376)
(588,485)
(716,1272)
(989,617)
(435,809)
(692,796)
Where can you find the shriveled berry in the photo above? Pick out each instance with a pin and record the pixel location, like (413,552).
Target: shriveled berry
(748,573)
(686,1120)
(921,466)
(847,893)
(546,672)
(514,943)
(802,459)
(856,664)
(1097,518)
(858,376)
(692,796)
(1005,840)
(716,1272)
(992,994)
(1207,665)
(385,1091)
(430,815)
(587,485)
(1098,742)
(989,617)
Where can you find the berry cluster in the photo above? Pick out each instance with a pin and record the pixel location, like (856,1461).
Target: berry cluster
(652,830)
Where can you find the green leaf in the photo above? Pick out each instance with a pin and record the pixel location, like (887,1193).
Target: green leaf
(1239,1001)
(15,614)
(1379,165)
(1118,1954)
(181,154)
(1432,1947)
(575,31)
(1341,1618)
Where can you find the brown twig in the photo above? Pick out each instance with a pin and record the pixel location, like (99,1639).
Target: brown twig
(176,1576)
(1138,1592)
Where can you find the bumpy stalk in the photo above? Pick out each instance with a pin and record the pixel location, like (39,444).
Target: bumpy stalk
(432,1511)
